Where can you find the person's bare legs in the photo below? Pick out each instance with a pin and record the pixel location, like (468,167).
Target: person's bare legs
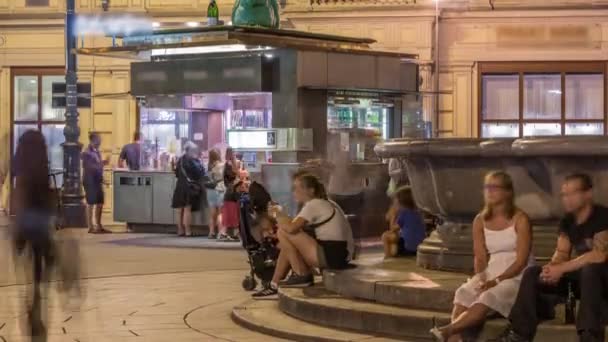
(214,221)
(282,267)
(390,241)
(188,221)
(297,260)
(180,221)
(471,317)
(456,312)
(222,229)
(305,248)
(90,218)
(98,211)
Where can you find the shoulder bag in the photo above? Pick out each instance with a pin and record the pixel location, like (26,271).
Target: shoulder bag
(310,228)
(194,187)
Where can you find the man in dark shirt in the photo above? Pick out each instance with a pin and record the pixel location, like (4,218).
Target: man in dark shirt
(131,154)
(92,181)
(583,230)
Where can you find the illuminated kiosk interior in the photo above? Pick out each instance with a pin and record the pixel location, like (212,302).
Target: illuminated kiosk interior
(280,98)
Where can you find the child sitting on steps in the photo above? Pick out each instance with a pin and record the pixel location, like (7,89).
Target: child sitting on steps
(406,225)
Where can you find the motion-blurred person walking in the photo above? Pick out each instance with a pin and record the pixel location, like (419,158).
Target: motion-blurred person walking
(34,212)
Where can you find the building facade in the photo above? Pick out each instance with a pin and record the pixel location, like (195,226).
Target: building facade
(488,67)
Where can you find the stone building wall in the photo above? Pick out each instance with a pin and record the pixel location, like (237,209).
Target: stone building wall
(469,32)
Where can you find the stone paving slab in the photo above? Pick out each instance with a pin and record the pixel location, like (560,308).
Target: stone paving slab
(132,293)
(165,307)
(172,241)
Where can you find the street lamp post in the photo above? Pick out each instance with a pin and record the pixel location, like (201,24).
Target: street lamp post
(72,206)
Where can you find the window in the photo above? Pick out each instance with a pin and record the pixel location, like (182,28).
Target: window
(540,99)
(32,109)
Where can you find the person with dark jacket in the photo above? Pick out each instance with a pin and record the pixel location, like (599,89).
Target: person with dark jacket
(188,193)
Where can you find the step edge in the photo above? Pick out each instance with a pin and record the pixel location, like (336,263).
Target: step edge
(269,331)
(443,318)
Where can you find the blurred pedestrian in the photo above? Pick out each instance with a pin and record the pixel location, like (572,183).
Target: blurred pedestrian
(188,192)
(92,181)
(131,154)
(34,212)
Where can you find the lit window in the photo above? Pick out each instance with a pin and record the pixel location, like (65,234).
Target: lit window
(541,99)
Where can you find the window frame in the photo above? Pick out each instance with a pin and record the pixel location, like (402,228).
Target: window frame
(38,72)
(34,3)
(526,68)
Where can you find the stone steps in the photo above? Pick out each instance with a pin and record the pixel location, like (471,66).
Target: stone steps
(397,282)
(319,306)
(265,317)
(393,298)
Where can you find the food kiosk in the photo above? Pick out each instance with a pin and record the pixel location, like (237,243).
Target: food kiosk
(278,97)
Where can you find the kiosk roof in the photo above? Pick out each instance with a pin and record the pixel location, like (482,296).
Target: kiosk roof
(138,46)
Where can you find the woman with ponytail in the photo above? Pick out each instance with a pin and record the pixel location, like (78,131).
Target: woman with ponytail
(319,237)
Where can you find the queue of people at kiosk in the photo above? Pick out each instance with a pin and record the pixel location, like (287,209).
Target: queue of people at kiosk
(216,186)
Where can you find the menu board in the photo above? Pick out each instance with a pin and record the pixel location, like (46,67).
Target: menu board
(253,139)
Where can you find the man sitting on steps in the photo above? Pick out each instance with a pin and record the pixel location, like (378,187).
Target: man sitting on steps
(584,229)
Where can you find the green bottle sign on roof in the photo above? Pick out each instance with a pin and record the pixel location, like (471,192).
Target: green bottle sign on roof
(256,13)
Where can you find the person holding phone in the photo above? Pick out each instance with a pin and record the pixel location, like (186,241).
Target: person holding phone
(92,181)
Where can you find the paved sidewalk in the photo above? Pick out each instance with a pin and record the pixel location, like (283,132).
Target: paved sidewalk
(134,293)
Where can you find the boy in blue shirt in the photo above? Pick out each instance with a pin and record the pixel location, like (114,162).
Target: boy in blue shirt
(406,225)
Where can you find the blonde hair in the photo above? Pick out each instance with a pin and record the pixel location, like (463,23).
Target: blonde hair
(507,185)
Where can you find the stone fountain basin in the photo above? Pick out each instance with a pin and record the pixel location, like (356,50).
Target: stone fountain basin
(446,176)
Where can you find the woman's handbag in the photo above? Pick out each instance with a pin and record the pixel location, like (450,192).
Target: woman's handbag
(210,183)
(194,187)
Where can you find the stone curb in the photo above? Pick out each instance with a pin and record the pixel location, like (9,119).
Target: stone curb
(318,306)
(282,326)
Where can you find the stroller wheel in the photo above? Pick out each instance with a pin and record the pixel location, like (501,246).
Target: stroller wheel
(249,284)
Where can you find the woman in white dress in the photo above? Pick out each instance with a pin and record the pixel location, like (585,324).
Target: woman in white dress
(502,239)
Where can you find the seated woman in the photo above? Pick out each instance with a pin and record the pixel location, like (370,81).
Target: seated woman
(331,247)
(406,225)
(501,232)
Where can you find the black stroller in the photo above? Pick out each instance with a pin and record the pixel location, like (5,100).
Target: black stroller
(261,251)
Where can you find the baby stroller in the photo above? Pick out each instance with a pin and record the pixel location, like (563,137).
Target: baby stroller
(261,251)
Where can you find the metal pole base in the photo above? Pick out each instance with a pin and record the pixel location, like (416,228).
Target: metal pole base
(73,212)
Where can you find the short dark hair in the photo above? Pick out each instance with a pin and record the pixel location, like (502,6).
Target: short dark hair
(405,197)
(583,178)
(136,136)
(93,135)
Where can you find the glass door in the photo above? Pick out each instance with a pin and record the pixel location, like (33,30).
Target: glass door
(32,109)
